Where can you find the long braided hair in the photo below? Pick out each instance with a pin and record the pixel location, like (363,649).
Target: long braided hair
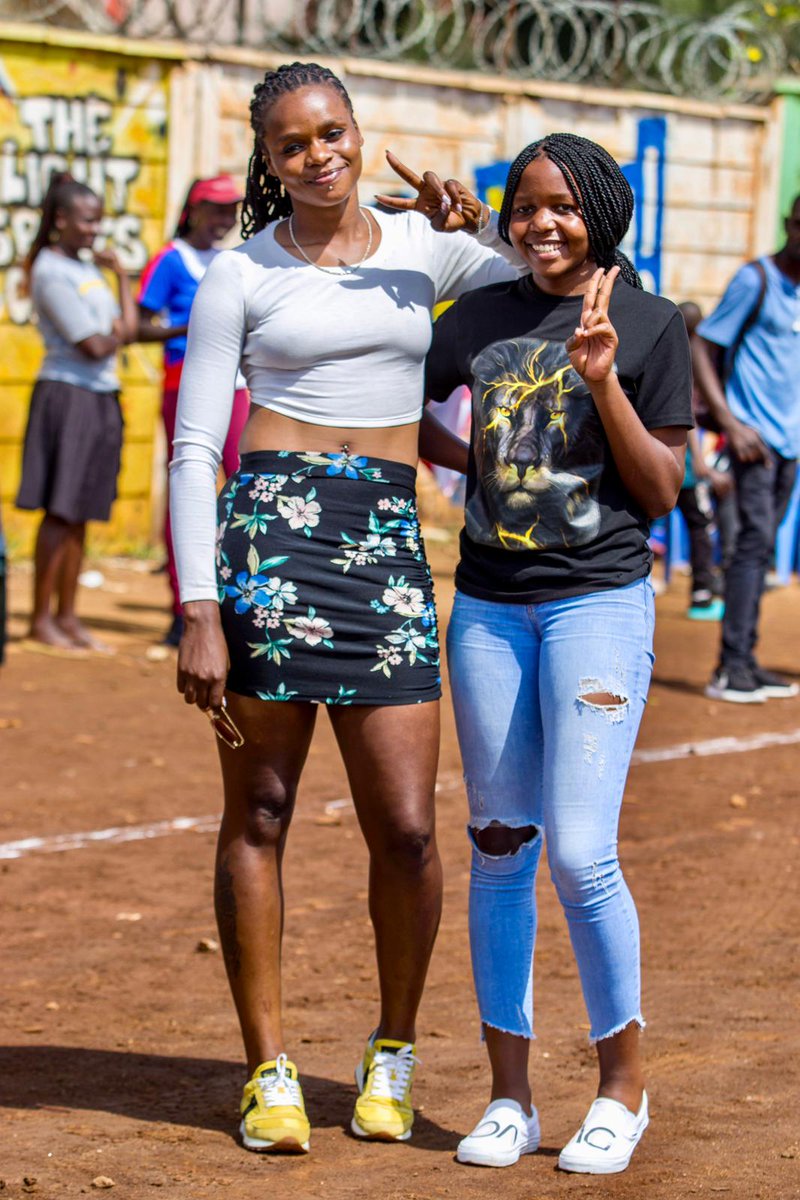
(601,191)
(265,199)
(61,193)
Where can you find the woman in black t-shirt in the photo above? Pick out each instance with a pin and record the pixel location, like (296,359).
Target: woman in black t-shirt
(581,401)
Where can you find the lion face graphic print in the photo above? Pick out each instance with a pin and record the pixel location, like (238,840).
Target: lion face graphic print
(539,449)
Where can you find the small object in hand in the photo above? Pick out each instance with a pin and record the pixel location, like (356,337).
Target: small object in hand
(224,726)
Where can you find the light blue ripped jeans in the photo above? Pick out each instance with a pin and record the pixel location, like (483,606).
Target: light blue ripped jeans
(535,752)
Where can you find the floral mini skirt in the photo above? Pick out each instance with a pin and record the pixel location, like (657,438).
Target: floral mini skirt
(325,592)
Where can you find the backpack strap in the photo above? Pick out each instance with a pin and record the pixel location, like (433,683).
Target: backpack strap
(749,320)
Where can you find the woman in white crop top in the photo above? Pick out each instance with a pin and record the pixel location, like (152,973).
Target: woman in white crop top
(317,590)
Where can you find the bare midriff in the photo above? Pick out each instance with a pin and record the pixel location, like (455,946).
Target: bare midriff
(267,430)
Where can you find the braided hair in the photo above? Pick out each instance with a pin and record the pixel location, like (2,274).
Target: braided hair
(601,191)
(61,193)
(265,198)
(184,225)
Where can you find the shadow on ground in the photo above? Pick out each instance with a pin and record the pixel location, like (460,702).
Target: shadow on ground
(158,1088)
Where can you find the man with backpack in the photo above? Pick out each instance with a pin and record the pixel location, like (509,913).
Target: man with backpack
(754,398)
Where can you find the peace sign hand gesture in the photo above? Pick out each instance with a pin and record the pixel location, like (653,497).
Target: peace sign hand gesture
(449,206)
(593,346)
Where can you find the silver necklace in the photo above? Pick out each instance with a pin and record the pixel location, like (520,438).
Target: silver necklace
(346,269)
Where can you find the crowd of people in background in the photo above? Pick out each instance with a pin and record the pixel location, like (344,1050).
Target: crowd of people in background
(306,582)
(745,401)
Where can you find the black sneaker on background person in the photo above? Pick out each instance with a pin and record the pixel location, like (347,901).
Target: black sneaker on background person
(774,687)
(739,685)
(174,633)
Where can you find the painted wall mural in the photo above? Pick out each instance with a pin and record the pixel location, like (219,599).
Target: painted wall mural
(104,118)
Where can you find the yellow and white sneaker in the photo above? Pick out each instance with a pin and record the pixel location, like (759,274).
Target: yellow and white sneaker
(273,1113)
(384,1077)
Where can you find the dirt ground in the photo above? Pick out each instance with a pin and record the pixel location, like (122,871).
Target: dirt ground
(121,1057)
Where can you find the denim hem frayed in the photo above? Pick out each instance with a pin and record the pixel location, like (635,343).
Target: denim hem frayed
(529,1037)
(601,1037)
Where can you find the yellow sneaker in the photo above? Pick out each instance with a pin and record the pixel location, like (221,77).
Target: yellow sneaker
(272,1108)
(383,1111)
(362,1069)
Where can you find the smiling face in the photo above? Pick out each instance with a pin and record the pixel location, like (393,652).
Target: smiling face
(78,225)
(210,223)
(547,229)
(313,145)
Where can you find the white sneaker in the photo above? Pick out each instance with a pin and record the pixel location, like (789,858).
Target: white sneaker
(607,1138)
(503,1133)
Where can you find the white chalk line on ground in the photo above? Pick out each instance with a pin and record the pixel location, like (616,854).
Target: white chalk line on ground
(209,824)
(723,745)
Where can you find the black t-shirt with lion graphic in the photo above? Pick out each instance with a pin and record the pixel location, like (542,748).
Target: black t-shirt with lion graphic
(547,515)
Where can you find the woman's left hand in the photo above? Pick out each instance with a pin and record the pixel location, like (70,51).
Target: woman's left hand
(449,206)
(592,348)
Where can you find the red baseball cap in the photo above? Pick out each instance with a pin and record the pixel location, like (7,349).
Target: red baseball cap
(221,189)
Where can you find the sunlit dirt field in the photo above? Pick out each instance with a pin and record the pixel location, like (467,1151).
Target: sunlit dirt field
(121,1058)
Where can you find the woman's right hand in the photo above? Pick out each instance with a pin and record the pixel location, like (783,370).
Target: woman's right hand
(202,655)
(449,206)
(746,444)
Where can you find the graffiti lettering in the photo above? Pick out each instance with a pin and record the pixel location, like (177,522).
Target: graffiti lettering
(63,134)
(24,178)
(70,126)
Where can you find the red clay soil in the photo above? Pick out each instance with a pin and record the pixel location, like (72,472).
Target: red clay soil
(121,1058)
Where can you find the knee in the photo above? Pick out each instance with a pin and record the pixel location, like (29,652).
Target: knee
(583,879)
(754,540)
(267,812)
(502,841)
(408,845)
(505,856)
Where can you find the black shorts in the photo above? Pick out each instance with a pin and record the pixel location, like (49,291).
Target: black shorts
(325,592)
(71,456)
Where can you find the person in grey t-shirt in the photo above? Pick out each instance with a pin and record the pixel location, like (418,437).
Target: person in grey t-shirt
(74,433)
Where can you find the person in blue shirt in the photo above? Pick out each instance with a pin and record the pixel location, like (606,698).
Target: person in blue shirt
(756,329)
(168,288)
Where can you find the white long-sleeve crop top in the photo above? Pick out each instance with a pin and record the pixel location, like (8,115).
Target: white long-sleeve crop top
(329,349)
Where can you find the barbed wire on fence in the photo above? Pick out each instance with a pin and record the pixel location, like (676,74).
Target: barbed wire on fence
(620,43)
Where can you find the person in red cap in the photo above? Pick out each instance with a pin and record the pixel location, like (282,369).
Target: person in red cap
(168,287)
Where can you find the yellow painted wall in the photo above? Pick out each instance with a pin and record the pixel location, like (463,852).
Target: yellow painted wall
(103,115)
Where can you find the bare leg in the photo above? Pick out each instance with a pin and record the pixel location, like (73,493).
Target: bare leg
(508,1056)
(391,755)
(51,543)
(621,1076)
(260,781)
(67,619)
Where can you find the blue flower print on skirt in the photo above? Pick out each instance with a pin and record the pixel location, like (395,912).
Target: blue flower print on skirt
(324,589)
